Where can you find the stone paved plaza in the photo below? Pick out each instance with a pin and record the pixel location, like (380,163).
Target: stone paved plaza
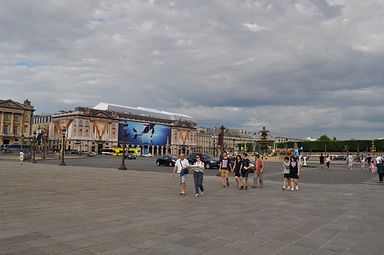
(46,209)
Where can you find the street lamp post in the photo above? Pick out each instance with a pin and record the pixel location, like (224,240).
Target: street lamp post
(34,142)
(62,163)
(122,166)
(22,141)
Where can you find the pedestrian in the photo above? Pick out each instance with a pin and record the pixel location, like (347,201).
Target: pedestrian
(245,171)
(286,175)
(328,160)
(349,161)
(380,167)
(198,175)
(322,158)
(224,168)
(237,166)
(373,166)
(294,173)
(21,157)
(181,167)
(369,159)
(259,170)
(362,161)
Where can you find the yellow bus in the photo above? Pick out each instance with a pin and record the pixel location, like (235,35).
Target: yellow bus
(118,151)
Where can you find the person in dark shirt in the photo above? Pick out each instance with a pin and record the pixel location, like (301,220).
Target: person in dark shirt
(245,172)
(224,168)
(322,159)
(237,166)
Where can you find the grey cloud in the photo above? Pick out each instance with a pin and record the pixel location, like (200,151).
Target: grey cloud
(188,55)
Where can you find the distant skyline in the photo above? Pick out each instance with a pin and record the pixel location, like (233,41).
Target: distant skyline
(299,67)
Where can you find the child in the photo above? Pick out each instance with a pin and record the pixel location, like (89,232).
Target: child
(21,157)
(286,172)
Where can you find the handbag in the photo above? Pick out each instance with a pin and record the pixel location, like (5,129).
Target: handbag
(183,171)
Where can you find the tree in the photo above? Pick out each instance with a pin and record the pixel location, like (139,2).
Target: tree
(324,138)
(334,139)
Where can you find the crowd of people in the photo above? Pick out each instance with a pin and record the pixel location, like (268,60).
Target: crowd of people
(241,167)
(375,163)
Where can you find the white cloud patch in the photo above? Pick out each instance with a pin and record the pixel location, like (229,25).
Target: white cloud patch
(302,67)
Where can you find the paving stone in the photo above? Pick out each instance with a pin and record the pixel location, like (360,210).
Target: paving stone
(82,210)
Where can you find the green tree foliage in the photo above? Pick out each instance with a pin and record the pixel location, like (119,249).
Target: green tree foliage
(335,146)
(324,138)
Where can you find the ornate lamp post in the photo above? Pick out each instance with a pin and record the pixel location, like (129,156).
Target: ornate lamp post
(62,151)
(122,166)
(22,141)
(34,143)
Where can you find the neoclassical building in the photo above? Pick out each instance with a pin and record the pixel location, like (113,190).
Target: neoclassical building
(103,127)
(15,121)
(86,130)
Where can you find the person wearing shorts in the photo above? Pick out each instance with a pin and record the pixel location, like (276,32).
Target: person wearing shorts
(286,173)
(180,166)
(237,166)
(224,168)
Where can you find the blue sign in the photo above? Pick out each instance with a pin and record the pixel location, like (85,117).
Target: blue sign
(140,133)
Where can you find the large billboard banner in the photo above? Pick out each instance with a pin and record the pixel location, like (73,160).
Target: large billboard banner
(140,133)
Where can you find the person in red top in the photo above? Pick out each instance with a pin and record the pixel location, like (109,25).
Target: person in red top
(259,170)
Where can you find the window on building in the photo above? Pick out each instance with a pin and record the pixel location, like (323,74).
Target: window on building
(15,130)
(7,116)
(5,129)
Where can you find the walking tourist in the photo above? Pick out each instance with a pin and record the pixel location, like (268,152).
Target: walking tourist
(362,161)
(237,166)
(349,161)
(245,171)
(328,160)
(372,166)
(286,175)
(259,170)
(21,157)
(294,173)
(224,168)
(369,159)
(181,167)
(198,175)
(322,158)
(380,167)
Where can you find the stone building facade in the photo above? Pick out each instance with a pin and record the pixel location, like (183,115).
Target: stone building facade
(15,121)
(87,130)
(92,130)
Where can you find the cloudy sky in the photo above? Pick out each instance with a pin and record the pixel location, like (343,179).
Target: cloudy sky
(299,67)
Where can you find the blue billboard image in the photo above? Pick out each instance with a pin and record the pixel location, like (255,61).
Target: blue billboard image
(140,133)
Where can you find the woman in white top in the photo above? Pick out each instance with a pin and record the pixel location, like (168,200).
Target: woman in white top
(198,175)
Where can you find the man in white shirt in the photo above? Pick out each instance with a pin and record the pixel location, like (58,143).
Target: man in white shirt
(350,161)
(181,166)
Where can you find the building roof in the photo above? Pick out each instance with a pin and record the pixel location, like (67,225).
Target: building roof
(142,111)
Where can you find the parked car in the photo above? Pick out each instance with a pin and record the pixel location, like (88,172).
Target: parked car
(209,160)
(107,151)
(167,160)
(339,157)
(16,148)
(130,156)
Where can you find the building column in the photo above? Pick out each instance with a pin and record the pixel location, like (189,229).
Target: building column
(12,124)
(2,123)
